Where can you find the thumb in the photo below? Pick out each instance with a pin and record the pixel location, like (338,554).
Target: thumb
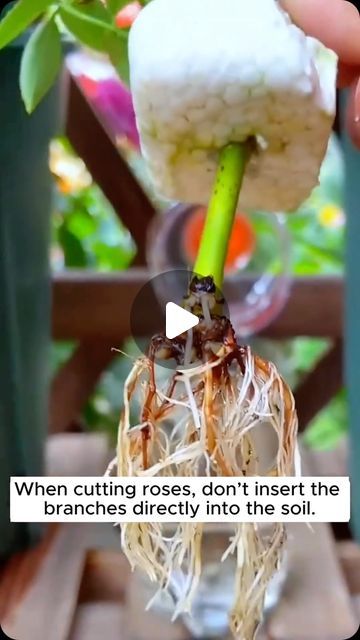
(336,23)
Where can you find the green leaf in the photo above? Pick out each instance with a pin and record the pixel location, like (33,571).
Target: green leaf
(111,258)
(88,29)
(116,5)
(119,56)
(95,9)
(19,18)
(74,252)
(82,224)
(40,63)
(98,34)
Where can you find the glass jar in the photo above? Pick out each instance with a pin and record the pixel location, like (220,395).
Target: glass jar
(212,603)
(257,281)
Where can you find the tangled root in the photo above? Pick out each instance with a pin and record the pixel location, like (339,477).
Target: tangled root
(226,413)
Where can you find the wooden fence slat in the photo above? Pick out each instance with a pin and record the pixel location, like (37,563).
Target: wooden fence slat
(48,607)
(320,385)
(349,556)
(105,578)
(334,463)
(107,167)
(75,382)
(99,620)
(89,305)
(73,461)
(39,589)
(316,604)
(19,572)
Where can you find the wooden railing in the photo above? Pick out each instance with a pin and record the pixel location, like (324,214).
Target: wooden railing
(89,305)
(109,170)
(94,309)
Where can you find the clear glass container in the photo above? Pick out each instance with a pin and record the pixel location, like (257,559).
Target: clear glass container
(212,603)
(256,287)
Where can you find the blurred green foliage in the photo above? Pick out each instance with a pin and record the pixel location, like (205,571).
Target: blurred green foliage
(88,234)
(86,231)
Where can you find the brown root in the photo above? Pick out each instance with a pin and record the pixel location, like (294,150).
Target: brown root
(228,413)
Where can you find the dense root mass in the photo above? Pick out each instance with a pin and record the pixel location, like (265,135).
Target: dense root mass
(226,413)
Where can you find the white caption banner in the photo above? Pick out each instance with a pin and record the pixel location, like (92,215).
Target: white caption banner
(256,499)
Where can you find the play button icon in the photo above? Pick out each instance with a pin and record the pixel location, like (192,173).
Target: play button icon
(178,320)
(160,313)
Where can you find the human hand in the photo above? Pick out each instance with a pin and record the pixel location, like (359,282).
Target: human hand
(336,23)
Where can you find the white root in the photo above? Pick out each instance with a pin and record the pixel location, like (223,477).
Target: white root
(207,426)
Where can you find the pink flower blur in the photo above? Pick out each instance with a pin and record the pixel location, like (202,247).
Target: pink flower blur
(113,101)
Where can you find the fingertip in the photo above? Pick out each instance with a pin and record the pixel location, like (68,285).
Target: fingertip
(353,113)
(335,22)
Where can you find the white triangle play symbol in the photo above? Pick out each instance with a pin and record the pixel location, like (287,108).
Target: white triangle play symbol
(178,320)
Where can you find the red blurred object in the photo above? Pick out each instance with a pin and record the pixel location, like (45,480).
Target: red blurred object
(128,15)
(88,85)
(109,95)
(242,242)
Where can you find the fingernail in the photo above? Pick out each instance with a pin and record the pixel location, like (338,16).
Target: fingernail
(353,114)
(357,102)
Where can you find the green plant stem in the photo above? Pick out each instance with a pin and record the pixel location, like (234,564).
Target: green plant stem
(221,212)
